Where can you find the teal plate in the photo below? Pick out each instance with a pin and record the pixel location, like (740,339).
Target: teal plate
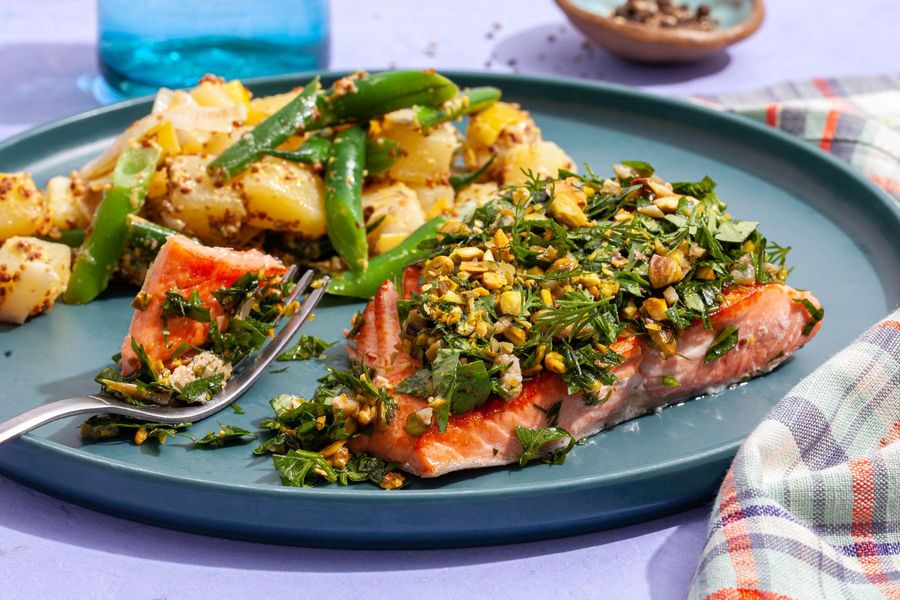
(845,248)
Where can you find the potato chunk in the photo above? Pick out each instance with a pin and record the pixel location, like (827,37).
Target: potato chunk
(33,273)
(285,196)
(196,206)
(426,155)
(435,199)
(543,159)
(398,206)
(495,130)
(66,201)
(23,209)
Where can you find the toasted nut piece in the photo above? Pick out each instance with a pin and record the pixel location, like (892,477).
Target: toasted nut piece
(624,171)
(553,361)
(667,204)
(564,264)
(392,481)
(705,274)
(609,287)
(664,271)
(516,335)
(656,308)
(440,265)
(453,297)
(418,422)
(500,239)
(467,253)
(140,436)
(493,281)
(670,295)
(475,267)
(511,303)
(651,210)
(622,215)
(482,328)
(332,448)
(566,206)
(547,298)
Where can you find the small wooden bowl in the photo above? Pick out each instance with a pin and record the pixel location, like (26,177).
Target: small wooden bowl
(737,20)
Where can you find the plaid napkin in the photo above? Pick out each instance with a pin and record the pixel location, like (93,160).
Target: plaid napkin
(855,118)
(811,505)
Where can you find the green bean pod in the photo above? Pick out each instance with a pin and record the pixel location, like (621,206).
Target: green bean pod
(467,102)
(344,176)
(381,154)
(269,134)
(351,99)
(314,152)
(369,96)
(105,241)
(387,265)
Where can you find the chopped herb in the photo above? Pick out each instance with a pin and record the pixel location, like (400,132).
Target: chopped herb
(107,427)
(202,389)
(226,435)
(778,356)
(735,232)
(281,370)
(176,305)
(722,344)
(669,381)
(238,410)
(552,412)
(815,314)
(644,169)
(306,348)
(418,384)
(461,181)
(533,440)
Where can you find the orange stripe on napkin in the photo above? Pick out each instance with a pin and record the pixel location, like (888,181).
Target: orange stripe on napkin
(830,127)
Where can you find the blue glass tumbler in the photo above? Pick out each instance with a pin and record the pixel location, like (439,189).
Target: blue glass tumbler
(146,44)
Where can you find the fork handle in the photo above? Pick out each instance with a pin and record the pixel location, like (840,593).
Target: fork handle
(41,415)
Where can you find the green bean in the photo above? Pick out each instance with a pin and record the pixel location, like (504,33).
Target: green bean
(468,101)
(105,241)
(72,238)
(314,152)
(353,99)
(343,198)
(381,154)
(147,236)
(387,265)
(268,135)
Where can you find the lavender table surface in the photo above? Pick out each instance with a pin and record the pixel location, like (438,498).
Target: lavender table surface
(53,549)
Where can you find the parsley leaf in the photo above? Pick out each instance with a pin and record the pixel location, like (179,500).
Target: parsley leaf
(418,384)
(735,232)
(202,389)
(644,169)
(533,440)
(224,436)
(306,348)
(722,344)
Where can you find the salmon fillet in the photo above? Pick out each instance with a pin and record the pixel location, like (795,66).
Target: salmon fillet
(769,317)
(184,266)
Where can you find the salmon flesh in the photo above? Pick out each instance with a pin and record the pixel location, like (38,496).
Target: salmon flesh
(770,318)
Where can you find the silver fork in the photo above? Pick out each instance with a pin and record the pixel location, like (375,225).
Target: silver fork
(234,388)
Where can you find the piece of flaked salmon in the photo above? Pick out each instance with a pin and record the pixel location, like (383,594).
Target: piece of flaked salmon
(184,266)
(769,317)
